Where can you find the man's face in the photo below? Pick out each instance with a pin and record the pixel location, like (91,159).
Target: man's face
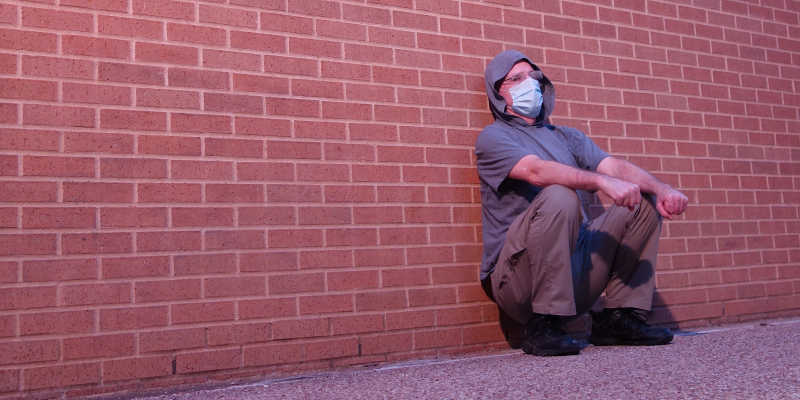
(518,73)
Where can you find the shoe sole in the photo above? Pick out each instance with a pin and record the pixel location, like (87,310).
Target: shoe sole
(550,352)
(619,342)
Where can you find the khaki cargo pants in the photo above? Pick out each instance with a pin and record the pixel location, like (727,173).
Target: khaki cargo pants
(554,263)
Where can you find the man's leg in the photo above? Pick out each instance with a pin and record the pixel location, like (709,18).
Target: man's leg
(532,280)
(619,249)
(617,254)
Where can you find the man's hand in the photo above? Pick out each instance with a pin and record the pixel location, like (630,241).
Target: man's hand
(624,194)
(670,202)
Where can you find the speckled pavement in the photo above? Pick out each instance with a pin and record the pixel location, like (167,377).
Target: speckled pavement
(759,360)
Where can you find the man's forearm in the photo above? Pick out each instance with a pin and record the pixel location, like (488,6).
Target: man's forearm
(629,172)
(544,173)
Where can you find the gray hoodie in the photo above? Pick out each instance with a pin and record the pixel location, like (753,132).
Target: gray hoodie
(503,143)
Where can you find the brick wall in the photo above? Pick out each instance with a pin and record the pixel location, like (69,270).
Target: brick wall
(199,190)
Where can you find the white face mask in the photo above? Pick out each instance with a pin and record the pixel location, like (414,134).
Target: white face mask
(527,98)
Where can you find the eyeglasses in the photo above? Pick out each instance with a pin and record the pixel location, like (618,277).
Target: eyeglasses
(519,77)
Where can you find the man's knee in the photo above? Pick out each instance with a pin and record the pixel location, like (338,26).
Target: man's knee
(558,200)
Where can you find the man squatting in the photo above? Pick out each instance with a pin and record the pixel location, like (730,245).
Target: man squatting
(543,260)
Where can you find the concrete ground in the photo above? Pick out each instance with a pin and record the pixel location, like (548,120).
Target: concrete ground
(759,360)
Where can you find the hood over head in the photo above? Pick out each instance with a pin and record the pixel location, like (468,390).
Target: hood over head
(497,70)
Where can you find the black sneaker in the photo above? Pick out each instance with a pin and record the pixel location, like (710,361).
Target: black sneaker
(545,337)
(623,326)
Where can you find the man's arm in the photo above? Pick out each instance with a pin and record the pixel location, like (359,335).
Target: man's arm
(543,173)
(621,180)
(669,202)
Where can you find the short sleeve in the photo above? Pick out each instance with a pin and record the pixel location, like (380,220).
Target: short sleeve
(496,155)
(587,154)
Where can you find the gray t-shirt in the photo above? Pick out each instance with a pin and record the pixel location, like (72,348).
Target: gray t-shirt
(498,148)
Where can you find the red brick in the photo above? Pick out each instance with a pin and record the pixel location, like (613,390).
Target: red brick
(204,264)
(458,316)
(107,346)
(183,217)
(101,293)
(165,340)
(133,217)
(292,65)
(437,338)
(196,34)
(318,8)
(26,40)
(335,348)
(170,290)
(118,319)
(235,286)
(268,262)
(54,323)
(315,47)
(9,272)
(258,42)
(234,148)
(236,193)
(96,94)
(351,237)
(434,296)
(240,61)
(300,328)
(95,47)
(170,193)
(205,170)
(135,267)
(188,363)
(58,218)
(170,145)
(27,192)
(410,319)
(387,343)
(228,16)
(352,280)
(326,304)
(133,168)
(269,216)
(133,120)
(163,53)
(53,67)
(137,368)
(28,297)
(201,312)
(27,244)
(296,283)
(57,19)
(482,334)
(202,79)
(294,238)
(162,98)
(168,241)
(201,123)
(381,257)
(294,193)
(164,8)
(274,354)
(268,308)
(405,277)
(130,27)
(239,334)
(130,73)
(233,103)
(379,301)
(59,270)
(398,236)
(378,215)
(61,376)
(34,114)
(96,243)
